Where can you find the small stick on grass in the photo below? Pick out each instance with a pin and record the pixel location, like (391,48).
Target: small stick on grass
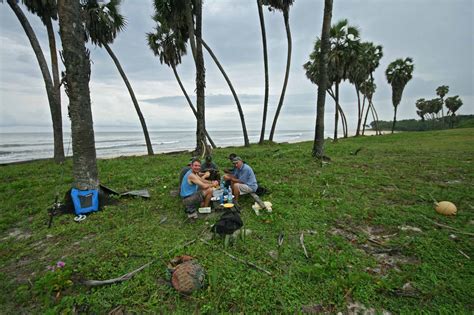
(302,245)
(448,227)
(464,254)
(127,276)
(238,259)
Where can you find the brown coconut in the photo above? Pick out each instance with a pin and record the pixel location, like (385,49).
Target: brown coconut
(446,208)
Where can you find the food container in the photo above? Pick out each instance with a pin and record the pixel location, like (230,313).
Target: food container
(217,193)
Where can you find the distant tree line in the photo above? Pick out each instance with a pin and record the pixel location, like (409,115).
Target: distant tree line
(460,121)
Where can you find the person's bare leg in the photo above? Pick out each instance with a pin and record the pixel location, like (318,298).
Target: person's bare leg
(207,197)
(236,191)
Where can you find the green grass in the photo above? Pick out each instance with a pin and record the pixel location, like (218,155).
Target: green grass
(340,206)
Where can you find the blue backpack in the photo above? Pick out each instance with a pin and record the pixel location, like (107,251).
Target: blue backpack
(85,201)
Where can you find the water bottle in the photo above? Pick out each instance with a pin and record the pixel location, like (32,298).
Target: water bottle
(222,196)
(229,196)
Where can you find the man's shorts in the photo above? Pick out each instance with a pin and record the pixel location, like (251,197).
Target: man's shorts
(192,202)
(244,189)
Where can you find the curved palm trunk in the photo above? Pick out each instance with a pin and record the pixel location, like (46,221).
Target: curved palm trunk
(190,102)
(134,99)
(359,112)
(318,145)
(78,70)
(343,122)
(200,86)
(394,118)
(366,115)
(287,73)
(58,126)
(237,102)
(336,114)
(54,105)
(265,64)
(376,118)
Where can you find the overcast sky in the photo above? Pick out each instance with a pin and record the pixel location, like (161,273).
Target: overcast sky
(437,34)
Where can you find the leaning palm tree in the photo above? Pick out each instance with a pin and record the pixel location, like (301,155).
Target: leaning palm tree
(103,22)
(284,6)
(78,70)
(398,73)
(237,102)
(170,47)
(46,10)
(265,65)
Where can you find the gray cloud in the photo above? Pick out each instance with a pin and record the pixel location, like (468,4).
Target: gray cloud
(436,33)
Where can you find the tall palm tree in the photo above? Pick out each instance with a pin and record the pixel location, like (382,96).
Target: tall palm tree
(319,66)
(78,70)
(398,73)
(237,102)
(47,11)
(265,65)
(441,91)
(344,40)
(284,6)
(170,47)
(368,89)
(103,22)
(200,84)
(174,14)
(361,71)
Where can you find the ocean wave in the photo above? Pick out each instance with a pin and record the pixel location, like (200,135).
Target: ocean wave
(168,142)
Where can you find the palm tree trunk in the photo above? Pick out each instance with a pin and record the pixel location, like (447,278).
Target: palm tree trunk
(54,105)
(343,121)
(57,122)
(287,73)
(366,115)
(376,118)
(265,65)
(394,118)
(78,70)
(134,99)
(200,85)
(237,102)
(190,102)
(318,145)
(336,115)
(359,111)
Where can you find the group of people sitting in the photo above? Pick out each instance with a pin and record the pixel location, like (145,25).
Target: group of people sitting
(198,180)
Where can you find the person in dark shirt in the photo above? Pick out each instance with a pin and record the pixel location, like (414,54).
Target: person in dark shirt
(209,166)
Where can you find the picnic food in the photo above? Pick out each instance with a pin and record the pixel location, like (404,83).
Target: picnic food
(446,208)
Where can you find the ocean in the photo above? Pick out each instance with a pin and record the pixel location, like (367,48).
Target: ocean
(17,147)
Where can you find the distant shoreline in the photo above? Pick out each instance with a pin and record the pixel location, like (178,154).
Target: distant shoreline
(134,154)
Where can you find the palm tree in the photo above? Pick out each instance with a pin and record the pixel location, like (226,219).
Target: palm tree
(169,46)
(237,102)
(200,84)
(46,11)
(78,70)
(441,91)
(367,88)
(318,65)
(453,103)
(398,73)
(344,40)
(284,6)
(265,65)
(103,22)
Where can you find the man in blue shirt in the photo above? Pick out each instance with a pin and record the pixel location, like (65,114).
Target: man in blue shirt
(243,179)
(195,189)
